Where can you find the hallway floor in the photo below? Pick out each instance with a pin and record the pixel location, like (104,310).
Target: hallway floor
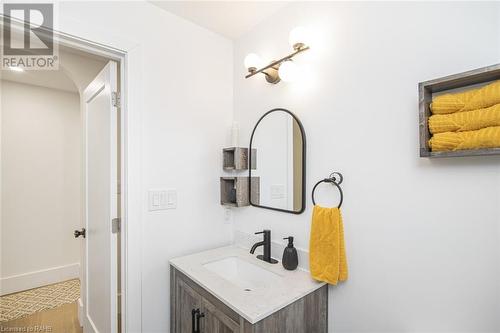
(51,308)
(62,319)
(24,303)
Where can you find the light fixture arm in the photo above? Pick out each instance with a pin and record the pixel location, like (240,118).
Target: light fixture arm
(275,64)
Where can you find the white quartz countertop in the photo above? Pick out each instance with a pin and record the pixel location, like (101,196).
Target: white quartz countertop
(253,305)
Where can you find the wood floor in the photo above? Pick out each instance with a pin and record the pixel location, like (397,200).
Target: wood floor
(63,319)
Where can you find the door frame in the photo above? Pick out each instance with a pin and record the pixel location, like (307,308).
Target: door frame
(127,54)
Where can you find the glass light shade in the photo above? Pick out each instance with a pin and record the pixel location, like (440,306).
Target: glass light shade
(298,37)
(252,61)
(288,71)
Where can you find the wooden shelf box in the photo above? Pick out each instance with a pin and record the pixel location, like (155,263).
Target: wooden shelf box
(234,191)
(236,158)
(462,80)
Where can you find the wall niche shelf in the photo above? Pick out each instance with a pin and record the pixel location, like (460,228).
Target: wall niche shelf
(236,158)
(461,80)
(234,191)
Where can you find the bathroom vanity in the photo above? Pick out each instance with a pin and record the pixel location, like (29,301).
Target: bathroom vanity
(228,290)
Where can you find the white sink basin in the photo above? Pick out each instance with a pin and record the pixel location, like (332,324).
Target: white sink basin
(243,273)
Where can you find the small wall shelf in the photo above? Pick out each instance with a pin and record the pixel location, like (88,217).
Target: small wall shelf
(236,158)
(234,191)
(427,88)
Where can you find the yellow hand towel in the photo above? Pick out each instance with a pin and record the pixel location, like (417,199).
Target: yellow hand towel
(468,100)
(465,121)
(484,138)
(327,259)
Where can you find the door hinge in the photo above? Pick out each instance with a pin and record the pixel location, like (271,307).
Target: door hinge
(116,225)
(116,98)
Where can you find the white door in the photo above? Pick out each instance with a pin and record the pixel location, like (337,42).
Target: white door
(99,278)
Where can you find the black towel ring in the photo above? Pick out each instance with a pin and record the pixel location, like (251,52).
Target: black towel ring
(334,181)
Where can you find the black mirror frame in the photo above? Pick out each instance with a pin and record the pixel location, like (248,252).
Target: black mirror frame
(302,132)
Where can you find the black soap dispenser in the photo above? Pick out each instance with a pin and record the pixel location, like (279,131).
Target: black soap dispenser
(290,260)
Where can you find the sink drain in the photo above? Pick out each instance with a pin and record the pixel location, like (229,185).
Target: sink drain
(246,289)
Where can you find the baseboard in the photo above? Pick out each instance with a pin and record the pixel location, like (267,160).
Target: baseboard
(16,283)
(80,312)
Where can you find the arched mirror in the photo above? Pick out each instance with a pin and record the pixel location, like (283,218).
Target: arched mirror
(280,144)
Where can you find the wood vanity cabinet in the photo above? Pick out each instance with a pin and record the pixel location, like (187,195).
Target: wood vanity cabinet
(306,315)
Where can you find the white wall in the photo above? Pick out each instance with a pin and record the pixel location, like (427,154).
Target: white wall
(40,185)
(76,71)
(182,78)
(423,239)
(416,276)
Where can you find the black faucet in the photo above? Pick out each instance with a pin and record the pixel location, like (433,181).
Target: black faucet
(267,247)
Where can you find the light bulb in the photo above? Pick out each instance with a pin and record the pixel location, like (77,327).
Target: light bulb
(16,69)
(288,71)
(298,37)
(252,62)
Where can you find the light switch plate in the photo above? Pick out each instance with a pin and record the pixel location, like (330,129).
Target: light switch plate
(162,199)
(171,199)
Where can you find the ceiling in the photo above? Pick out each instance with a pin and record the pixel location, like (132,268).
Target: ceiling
(228,18)
(231,19)
(54,79)
(58,79)
(48,79)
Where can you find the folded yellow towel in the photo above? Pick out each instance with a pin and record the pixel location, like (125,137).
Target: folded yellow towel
(327,259)
(484,138)
(468,100)
(465,121)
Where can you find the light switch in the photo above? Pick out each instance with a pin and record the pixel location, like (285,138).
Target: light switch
(171,199)
(162,199)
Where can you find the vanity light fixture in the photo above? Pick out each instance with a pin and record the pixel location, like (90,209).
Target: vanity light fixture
(288,71)
(283,69)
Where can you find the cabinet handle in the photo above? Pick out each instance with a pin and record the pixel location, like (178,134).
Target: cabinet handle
(193,313)
(198,316)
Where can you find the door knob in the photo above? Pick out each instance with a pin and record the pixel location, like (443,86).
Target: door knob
(79,233)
